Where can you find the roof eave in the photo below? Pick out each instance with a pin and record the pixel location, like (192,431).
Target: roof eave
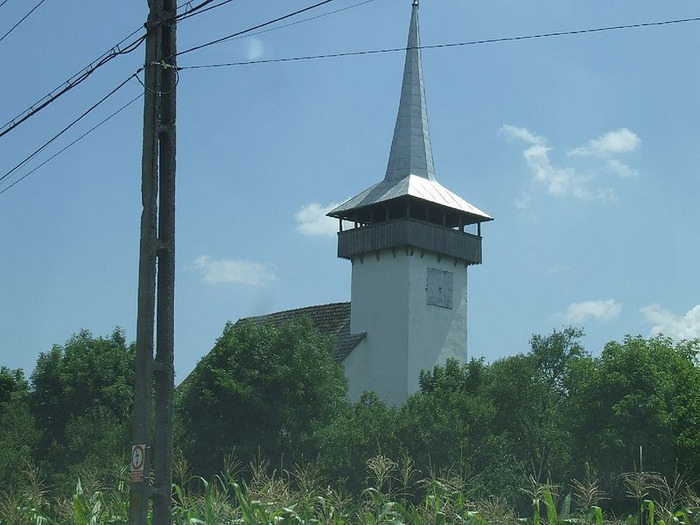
(348,213)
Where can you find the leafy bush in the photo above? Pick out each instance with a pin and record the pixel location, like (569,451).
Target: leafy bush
(263,390)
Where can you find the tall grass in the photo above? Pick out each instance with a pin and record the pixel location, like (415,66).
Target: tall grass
(395,494)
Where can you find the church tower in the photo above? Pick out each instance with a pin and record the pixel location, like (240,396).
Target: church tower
(410,243)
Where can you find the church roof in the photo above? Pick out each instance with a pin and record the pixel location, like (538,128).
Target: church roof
(410,171)
(329,319)
(411,186)
(411,152)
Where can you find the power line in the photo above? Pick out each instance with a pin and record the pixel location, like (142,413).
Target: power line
(440,46)
(81,137)
(191,9)
(247,32)
(201,8)
(85,113)
(116,50)
(21,19)
(304,20)
(73,81)
(264,24)
(82,75)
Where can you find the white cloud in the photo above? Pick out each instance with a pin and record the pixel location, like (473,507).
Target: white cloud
(234,271)
(523,201)
(571,180)
(664,321)
(558,181)
(607,146)
(621,140)
(522,134)
(621,169)
(601,310)
(311,220)
(255,49)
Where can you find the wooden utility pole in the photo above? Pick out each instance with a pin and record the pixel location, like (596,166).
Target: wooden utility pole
(152,437)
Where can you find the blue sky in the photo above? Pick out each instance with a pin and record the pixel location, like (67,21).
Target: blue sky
(584,148)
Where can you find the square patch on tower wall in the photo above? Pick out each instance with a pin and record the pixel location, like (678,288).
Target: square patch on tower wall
(438,288)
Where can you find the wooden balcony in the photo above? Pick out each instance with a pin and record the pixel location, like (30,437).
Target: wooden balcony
(410,233)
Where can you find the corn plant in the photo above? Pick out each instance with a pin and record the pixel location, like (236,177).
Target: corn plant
(638,484)
(595,516)
(647,515)
(495,510)
(30,505)
(300,496)
(673,495)
(553,517)
(587,491)
(688,516)
(88,509)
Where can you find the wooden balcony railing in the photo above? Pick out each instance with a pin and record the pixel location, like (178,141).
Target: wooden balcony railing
(410,233)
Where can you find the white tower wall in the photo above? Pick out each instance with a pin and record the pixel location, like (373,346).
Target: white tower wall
(413,307)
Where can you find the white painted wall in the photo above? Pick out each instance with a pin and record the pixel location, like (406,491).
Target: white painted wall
(404,334)
(379,307)
(436,333)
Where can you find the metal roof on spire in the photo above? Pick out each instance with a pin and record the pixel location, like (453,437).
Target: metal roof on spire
(410,171)
(411,152)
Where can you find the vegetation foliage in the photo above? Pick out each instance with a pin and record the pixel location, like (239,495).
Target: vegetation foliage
(263,390)
(555,434)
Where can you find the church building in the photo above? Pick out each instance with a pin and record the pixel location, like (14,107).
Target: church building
(410,241)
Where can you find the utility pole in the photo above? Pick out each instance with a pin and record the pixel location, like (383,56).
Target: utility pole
(152,437)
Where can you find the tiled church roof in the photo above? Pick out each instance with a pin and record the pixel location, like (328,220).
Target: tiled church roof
(329,319)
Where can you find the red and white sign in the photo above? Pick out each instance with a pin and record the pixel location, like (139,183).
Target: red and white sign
(138,460)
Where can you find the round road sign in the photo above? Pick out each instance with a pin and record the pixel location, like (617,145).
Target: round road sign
(138,457)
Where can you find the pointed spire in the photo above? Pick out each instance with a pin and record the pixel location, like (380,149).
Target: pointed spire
(410,172)
(411,152)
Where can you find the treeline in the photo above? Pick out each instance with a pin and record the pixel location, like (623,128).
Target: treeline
(555,413)
(71,416)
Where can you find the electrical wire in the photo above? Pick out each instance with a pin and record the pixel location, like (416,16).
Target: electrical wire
(81,137)
(21,19)
(84,114)
(304,20)
(82,75)
(264,24)
(116,50)
(77,79)
(74,81)
(3,3)
(197,10)
(177,80)
(441,46)
(200,8)
(247,33)
(191,9)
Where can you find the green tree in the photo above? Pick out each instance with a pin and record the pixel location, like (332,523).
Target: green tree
(641,393)
(18,433)
(448,426)
(532,393)
(359,432)
(446,423)
(81,398)
(554,356)
(262,390)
